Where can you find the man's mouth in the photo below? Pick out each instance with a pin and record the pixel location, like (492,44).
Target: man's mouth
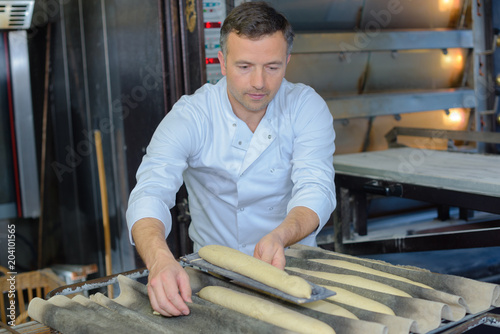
(255,96)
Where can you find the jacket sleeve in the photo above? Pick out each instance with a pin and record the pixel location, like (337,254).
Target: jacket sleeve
(312,160)
(159,175)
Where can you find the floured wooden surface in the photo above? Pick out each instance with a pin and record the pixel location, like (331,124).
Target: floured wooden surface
(449,299)
(131,312)
(467,172)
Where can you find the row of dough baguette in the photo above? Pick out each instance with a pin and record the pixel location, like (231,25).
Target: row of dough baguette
(236,261)
(471,295)
(447,306)
(367,270)
(424,320)
(249,266)
(263,272)
(425,314)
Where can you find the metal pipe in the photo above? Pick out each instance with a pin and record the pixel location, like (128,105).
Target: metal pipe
(479,70)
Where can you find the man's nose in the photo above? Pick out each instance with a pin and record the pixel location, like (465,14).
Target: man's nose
(258,78)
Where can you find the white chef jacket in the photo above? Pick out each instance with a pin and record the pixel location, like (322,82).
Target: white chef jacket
(240,184)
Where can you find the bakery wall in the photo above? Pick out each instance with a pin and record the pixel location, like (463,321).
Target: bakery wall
(115,67)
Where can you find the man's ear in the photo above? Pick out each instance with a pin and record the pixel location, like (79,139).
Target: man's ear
(288,59)
(222,63)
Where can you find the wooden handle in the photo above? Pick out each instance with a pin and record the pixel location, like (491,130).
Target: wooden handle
(105,211)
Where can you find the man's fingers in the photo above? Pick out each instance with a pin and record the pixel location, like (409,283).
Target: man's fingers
(152,299)
(272,253)
(279,262)
(172,295)
(165,298)
(261,252)
(185,289)
(156,305)
(266,257)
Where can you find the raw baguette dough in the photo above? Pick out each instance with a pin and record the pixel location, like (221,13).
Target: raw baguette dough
(353,280)
(347,297)
(367,270)
(264,310)
(329,308)
(249,266)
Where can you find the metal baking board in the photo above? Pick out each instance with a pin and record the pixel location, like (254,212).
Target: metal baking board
(194,260)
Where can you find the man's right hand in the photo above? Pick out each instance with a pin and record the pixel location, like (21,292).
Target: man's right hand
(168,283)
(168,287)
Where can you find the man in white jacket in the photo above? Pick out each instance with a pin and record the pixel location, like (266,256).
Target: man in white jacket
(255,152)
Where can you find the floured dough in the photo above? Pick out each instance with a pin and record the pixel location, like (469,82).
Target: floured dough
(329,308)
(367,270)
(264,310)
(352,280)
(249,266)
(347,297)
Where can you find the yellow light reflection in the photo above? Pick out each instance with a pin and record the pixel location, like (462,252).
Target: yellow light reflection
(453,58)
(447,5)
(455,118)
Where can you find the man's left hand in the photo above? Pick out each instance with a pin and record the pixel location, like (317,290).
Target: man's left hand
(270,249)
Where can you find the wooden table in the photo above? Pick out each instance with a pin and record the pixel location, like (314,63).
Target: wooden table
(448,179)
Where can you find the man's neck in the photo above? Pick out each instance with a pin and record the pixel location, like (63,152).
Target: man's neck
(252,119)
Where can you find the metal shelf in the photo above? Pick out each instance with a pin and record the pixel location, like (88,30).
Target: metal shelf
(379,104)
(382,40)
(390,103)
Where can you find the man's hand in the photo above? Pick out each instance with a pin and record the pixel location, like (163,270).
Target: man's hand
(168,286)
(298,224)
(270,249)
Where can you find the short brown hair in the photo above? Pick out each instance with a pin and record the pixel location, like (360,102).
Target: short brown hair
(254,20)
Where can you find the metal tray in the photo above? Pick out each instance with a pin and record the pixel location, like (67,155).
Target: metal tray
(194,260)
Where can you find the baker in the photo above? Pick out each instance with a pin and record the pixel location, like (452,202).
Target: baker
(254,151)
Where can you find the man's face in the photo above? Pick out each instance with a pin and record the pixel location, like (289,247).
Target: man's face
(254,70)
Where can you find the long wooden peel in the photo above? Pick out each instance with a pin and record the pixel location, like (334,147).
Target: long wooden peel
(104,204)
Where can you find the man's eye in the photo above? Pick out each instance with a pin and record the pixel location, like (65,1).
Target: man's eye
(243,67)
